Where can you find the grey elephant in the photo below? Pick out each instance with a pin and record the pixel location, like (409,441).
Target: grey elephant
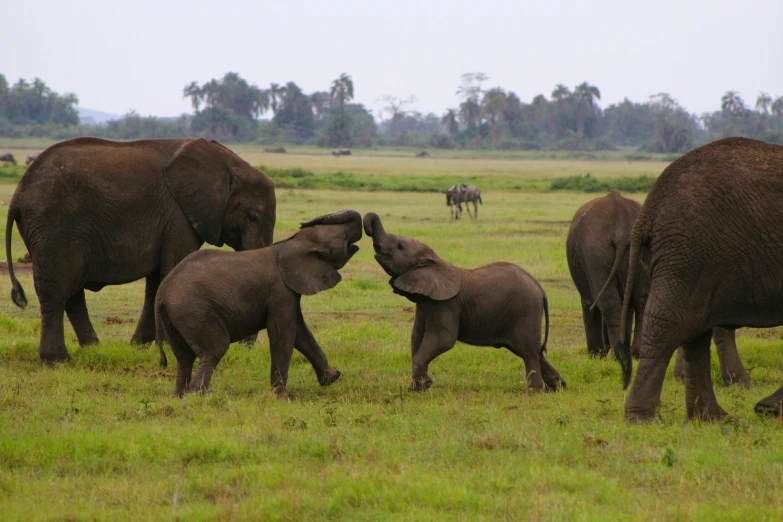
(498,305)
(94,212)
(7,157)
(213,298)
(597,252)
(709,233)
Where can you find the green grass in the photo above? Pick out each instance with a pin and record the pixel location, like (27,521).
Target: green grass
(103,437)
(588,183)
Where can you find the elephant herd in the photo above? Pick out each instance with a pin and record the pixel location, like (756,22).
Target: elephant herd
(699,259)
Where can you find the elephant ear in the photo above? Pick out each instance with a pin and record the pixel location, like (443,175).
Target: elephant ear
(200,181)
(304,269)
(433,278)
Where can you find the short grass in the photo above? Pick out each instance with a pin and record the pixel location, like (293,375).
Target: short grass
(103,437)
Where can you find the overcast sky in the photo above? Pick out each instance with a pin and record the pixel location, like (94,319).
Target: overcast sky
(139,54)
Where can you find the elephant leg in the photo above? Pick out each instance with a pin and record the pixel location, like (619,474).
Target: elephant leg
(679,366)
(417,334)
(700,398)
(281,344)
(772,405)
(593,323)
(185,360)
(309,347)
(145,329)
(432,345)
(528,348)
(731,368)
(52,347)
(76,308)
(206,367)
(552,378)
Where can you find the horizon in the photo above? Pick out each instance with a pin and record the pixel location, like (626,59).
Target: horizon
(108,58)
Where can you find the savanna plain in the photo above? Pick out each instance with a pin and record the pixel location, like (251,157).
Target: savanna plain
(103,437)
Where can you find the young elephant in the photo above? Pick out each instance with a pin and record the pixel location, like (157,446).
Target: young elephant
(497,305)
(214,297)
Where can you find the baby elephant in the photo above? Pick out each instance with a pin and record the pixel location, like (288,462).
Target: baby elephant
(214,297)
(497,305)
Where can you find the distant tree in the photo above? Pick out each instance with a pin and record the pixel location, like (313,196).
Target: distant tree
(393,106)
(449,119)
(470,85)
(732,104)
(470,113)
(275,92)
(492,105)
(560,93)
(321,104)
(585,96)
(193,91)
(295,113)
(777,107)
(673,125)
(341,92)
(763,102)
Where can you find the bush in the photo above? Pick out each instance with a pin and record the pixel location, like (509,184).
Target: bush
(588,183)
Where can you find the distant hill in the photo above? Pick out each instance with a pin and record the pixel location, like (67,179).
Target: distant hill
(93,117)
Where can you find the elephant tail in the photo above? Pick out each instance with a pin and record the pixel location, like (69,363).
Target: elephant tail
(160,332)
(618,258)
(17,292)
(546,319)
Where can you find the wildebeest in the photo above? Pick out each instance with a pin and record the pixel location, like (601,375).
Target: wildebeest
(31,158)
(470,194)
(342,152)
(7,157)
(454,201)
(422,154)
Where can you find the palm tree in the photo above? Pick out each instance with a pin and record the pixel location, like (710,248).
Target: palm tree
(450,121)
(342,91)
(470,113)
(275,94)
(777,107)
(763,101)
(732,104)
(584,96)
(194,92)
(560,93)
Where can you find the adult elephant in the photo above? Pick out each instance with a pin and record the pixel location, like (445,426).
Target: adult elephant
(94,212)
(597,254)
(711,234)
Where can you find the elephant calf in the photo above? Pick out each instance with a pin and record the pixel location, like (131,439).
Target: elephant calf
(214,297)
(497,305)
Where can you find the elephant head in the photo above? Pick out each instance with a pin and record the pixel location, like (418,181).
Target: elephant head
(225,199)
(309,261)
(413,266)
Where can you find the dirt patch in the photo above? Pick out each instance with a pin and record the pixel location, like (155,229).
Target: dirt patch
(409,309)
(160,374)
(116,320)
(551,223)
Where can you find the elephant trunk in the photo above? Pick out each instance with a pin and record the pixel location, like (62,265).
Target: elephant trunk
(373,226)
(345,217)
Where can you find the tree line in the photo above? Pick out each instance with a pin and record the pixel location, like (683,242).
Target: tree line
(232,110)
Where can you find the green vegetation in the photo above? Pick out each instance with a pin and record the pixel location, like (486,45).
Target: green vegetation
(102,437)
(588,183)
(230,109)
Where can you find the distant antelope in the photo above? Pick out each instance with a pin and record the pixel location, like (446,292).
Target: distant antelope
(470,194)
(454,201)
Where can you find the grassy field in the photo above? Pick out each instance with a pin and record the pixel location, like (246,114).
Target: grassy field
(103,437)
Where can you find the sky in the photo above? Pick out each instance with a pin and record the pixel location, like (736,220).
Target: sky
(118,56)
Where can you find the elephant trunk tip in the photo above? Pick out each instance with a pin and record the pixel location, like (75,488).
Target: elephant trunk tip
(372,224)
(623,354)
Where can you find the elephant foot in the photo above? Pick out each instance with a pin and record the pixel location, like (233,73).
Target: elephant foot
(281,393)
(555,385)
(51,359)
(730,379)
(768,409)
(708,413)
(637,416)
(420,384)
(329,376)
